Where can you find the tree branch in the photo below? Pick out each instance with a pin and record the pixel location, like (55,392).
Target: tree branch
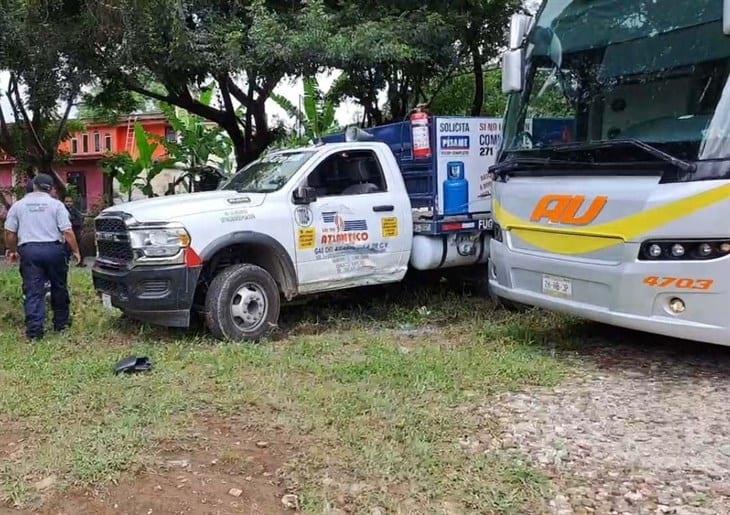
(64,119)
(29,124)
(237,92)
(182,99)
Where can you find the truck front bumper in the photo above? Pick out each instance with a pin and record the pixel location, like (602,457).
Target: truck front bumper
(616,294)
(158,295)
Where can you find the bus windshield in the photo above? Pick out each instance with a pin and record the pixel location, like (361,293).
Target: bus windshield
(651,71)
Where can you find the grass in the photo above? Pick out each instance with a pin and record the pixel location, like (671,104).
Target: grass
(376,386)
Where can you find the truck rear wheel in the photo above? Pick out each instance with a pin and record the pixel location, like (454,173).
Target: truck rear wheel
(242,304)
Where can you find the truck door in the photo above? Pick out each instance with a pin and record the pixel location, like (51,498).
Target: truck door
(353,234)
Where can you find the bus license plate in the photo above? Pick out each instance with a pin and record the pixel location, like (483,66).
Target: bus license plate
(557,286)
(106,301)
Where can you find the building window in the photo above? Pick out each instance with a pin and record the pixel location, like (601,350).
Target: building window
(108,142)
(97,142)
(85,143)
(75,146)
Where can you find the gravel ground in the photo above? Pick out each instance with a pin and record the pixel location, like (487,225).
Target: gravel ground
(641,427)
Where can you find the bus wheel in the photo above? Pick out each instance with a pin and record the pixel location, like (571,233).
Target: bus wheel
(242,304)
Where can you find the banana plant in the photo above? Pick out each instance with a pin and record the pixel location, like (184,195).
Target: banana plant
(137,172)
(317,115)
(197,142)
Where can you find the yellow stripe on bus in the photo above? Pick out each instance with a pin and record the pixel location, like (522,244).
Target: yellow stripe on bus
(576,241)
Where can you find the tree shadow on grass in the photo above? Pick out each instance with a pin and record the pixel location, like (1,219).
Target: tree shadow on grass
(608,347)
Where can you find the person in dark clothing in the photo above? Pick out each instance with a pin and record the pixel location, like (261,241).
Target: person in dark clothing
(35,228)
(77,222)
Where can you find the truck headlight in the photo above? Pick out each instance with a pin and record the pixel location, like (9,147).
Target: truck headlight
(159,242)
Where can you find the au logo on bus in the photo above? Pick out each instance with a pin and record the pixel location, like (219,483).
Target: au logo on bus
(568,209)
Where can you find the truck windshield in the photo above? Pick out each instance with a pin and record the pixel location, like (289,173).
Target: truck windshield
(269,173)
(650,71)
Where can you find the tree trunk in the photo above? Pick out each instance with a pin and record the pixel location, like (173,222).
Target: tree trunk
(478,102)
(59,183)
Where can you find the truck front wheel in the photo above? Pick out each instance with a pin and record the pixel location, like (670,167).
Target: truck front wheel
(242,303)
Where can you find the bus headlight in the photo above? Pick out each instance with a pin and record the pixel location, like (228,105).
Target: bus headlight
(687,250)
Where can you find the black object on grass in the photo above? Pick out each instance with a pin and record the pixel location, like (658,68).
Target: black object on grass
(133,365)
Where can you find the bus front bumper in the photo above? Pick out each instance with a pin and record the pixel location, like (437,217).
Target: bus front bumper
(617,294)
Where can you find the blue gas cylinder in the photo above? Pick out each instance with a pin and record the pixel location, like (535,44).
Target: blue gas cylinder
(456,190)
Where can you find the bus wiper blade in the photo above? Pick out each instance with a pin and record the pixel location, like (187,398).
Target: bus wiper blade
(517,163)
(680,164)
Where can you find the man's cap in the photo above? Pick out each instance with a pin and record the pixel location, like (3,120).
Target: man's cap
(43,181)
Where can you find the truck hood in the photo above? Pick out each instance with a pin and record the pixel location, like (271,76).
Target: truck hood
(177,207)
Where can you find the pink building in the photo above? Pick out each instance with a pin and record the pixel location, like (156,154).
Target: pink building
(86,149)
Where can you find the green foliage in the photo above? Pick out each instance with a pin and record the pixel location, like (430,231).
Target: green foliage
(408,48)
(38,48)
(137,172)
(198,142)
(167,49)
(110,106)
(318,115)
(455,98)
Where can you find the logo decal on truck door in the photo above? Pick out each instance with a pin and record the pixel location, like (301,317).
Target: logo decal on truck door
(568,209)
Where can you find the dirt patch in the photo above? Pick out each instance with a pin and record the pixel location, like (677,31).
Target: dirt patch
(223,466)
(13,440)
(641,428)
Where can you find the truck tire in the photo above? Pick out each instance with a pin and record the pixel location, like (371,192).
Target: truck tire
(242,304)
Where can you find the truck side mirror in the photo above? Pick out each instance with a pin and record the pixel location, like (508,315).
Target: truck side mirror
(304,195)
(726,17)
(512,71)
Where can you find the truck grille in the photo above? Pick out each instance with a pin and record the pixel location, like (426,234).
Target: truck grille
(110,224)
(115,250)
(112,241)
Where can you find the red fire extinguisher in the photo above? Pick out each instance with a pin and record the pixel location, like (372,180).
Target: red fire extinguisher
(421,134)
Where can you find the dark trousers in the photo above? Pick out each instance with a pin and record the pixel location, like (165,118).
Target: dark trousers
(41,263)
(77,232)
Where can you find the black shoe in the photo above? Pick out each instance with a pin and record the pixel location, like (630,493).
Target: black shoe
(60,329)
(34,338)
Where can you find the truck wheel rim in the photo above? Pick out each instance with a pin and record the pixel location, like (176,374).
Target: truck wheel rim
(249,307)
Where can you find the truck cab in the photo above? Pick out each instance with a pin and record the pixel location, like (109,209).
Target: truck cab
(328,217)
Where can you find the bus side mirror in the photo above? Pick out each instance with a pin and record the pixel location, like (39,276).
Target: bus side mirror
(304,195)
(726,17)
(512,71)
(518,28)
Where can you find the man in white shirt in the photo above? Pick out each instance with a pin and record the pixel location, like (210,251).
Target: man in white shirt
(35,230)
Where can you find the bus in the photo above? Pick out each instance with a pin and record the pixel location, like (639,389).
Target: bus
(623,216)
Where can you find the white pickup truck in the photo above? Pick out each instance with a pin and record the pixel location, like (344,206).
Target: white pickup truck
(296,222)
